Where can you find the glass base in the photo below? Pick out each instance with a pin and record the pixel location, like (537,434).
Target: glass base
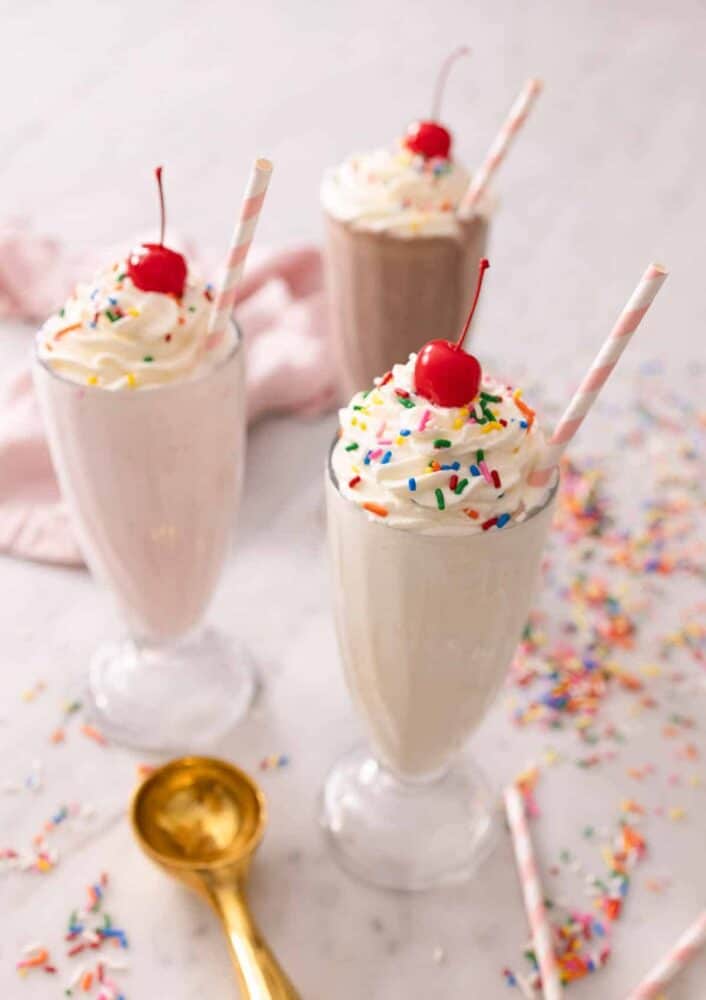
(407,835)
(178,696)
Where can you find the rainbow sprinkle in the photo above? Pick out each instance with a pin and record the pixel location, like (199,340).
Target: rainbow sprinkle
(274,762)
(90,929)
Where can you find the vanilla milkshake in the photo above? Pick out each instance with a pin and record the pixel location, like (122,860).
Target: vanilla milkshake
(434,554)
(146,428)
(435,539)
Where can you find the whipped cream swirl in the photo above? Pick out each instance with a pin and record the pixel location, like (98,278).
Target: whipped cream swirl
(398,192)
(114,335)
(436,469)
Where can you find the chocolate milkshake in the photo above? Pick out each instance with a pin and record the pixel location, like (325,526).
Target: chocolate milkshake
(400,255)
(389,285)
(405,229)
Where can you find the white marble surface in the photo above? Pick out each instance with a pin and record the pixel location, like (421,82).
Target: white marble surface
(607,176)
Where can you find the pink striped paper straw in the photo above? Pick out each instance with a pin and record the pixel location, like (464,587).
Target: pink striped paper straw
(238,251)
(532,894)
(597,375)
(497,152)
(683,951)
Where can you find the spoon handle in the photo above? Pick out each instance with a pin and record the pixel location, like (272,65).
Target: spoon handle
(260,975)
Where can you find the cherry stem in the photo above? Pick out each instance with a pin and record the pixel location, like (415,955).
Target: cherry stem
(158,175)
(483,266)
(442,77)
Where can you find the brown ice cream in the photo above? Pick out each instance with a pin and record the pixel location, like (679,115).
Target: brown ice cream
(390,294)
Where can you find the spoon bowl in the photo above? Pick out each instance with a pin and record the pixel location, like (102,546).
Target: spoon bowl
(198,813)
(201,820)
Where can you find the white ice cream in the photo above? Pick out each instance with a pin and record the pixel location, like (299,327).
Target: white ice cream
(114,335)
(396,191)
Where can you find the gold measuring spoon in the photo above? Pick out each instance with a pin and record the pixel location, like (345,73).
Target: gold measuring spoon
(202,820)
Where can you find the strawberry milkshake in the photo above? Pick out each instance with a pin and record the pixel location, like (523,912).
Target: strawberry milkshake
(146,427)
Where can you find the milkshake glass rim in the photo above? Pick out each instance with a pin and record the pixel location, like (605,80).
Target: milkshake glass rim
(147,390)
(534,512)
(353,225)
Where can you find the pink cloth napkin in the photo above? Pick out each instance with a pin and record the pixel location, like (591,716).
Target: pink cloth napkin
(281,310)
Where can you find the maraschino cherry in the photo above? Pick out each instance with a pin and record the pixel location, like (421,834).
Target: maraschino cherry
(444,372)
(429,138)
(154,267)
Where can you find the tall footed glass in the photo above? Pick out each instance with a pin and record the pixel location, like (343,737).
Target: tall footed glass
(427,625)
(152,479)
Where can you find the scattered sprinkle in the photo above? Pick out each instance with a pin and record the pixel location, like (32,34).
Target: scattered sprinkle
(93,733)
(274,761)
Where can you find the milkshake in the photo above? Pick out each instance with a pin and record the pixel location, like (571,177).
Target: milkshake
(400,257)
(146,429)
(149,459)
(447,556)
(435,539)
